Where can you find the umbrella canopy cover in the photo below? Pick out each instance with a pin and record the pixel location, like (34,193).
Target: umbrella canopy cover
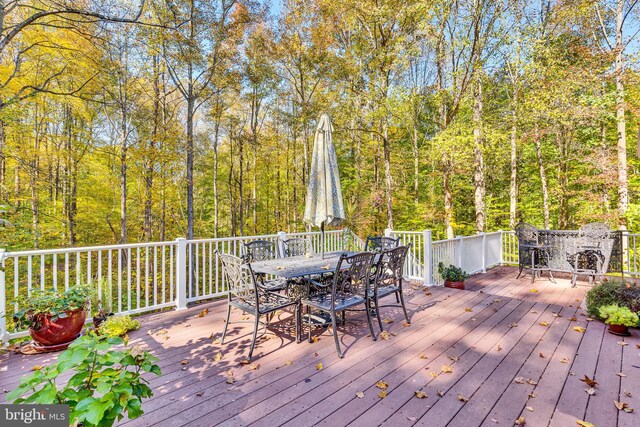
(324,196)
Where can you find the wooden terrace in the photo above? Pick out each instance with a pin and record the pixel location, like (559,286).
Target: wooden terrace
(513,349)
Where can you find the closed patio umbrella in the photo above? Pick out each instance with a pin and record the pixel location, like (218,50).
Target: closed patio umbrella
(324,196)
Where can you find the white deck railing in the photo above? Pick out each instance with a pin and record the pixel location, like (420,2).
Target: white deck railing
(144,277)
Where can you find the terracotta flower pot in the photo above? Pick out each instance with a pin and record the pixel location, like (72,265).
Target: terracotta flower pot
(453,285)
(619,330)
(57,335)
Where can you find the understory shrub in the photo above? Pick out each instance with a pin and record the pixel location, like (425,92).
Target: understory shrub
(117,326)
(610,292)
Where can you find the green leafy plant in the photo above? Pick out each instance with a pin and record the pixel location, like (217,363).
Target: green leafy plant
(610,292)
(106,385)
(616,315)
(39,304)
(452,273)
(117,326)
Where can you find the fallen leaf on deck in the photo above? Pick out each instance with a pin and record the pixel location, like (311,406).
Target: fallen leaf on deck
(433,374)
(573,319)
(382,394)
(556,314)
(628,393)
(541,354)
(254,367)
(590,319)
(461,398)
(385,336)
(412,419)
(637,345)
(621,375)
(288,362)
(279,267)
(423,356)
(245,362)
(216,341)
(565,360)
(534,311)
(441,393)
(622,406)
(184,362)
(454,358)
(529,408)
(36,367)
(589,381)
(579,329)
(499,347)
(446,369)
(382,385)
(532,395)
(420,394)
(200,393)
(315,339)
(533,290)
(427,293)
(532,382)
(469,309)
(622,343)
(406,324)
(359,394)
(513,324)
(544,323)
(497,300)
(519,380)
(203,313)
(218,357)
(319,366)
(590,391)
(585,423)
(520,421)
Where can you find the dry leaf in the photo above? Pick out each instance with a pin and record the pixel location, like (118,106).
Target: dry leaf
(590,391)
(454,358)
(469,309)
(461,398)
(387,321)
(446,369)
(628,393)
(541,354)
(288,362)
(382,394)
(359,394)
(319,366)
(499,347)
(513,324)
(520,421)
(216,342)
(584,423)
(519,380)
(579,329)
(245,362)
(497,300)
(433,374)
(422,356)
(382,385)
(565,360)
(622,343)
(573,319)
(529,408)
(637,345)
(200,393)
(620,405)
(254,367)
(532,395)
(385,335)
(406,324)
(203,313)
(218,357)
(441,393)
(533,290)
(532,382)
(556,314)
(420,394)
(544,323)
(184,362)
(534,311)
(315,339)
(589,381)
(621,375)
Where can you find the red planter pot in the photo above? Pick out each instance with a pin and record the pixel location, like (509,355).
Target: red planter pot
(619,330)
(453,285)
(57,335)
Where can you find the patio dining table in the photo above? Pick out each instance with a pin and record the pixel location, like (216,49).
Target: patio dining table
(300,266)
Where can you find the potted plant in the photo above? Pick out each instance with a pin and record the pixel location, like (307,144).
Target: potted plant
(101,303)
(618,318)
(54,320)
(453,276)
(100,383)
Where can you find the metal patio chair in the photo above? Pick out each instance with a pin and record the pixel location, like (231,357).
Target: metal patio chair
(245,294)
(590,251)
(533,254)
(378,244)
(296,246)
(349,289)
(388,281)
(262,250)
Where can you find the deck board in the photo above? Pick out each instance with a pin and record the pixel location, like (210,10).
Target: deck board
(470,326)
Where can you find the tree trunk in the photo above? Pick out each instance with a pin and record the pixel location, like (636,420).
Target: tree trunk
(387,175)
(448,196)
(416,165)
(623,192)
(3,162)
(216,215)
(478,157)
(513,183)
(123,176)
(543,178)
(190,113)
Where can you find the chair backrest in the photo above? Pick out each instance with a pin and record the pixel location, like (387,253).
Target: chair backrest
(595,230)
(297,246)
(355,278)
(259,250)
(240,278)
(527,233)
(378,244)
(390,265)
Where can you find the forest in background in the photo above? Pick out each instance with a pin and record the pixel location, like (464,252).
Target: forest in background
(126,122)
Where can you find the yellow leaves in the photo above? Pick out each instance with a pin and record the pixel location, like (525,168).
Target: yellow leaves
(184,362)
(520,421)
(433,374)
(420,394)
(584,423)
(216,341)
(519,380)
(288,363)
(423,356)
(533,290)
(203,312)
(579,329)
(315,339)
(382,394)
(382,385)
(573,319)
(218,357)
(385,335)
(446,369)
(254,367)
(469,309)
(319,366)
(406,324)
(36,367)
(387,320)
(623,406)
(462,398)
(544,323)
(440,393)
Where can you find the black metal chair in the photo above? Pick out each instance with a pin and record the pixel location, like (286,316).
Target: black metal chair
(590,251)
(349,289)
(296,246)
(388,281)
(533,254)
(245,294)
(262,250)
(378,244)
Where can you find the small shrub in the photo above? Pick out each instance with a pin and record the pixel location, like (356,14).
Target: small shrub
(616,315)
(117,326)
(106,384)
(613,292)
(452,273)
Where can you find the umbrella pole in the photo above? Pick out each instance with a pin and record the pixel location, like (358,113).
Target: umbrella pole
(322,229)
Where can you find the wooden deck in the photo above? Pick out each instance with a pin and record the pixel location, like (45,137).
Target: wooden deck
(505,363)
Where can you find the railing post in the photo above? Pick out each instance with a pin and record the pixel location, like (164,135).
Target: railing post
(282,236)
(388,232)
(501,260)
(428,258)
(181,274)
(484,252)
(3,302)
(459,254)
(625,250)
